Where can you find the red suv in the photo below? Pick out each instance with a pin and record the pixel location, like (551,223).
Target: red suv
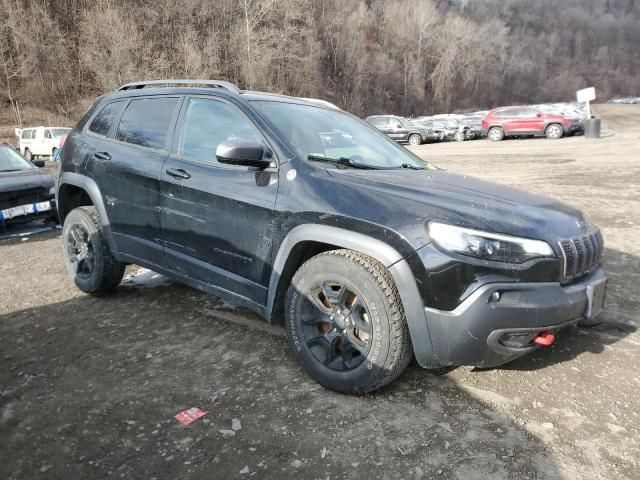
(516,121)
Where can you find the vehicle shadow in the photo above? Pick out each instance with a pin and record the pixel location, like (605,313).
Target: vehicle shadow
(90,386)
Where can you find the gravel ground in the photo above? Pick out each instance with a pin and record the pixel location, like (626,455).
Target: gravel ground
(89,386)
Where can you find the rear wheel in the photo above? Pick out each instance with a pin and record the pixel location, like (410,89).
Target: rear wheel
(415,139)
(495,134)
(345,322)
(554,131)
(87,253)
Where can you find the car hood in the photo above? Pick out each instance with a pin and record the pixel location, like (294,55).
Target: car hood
(466,201)
(24,180)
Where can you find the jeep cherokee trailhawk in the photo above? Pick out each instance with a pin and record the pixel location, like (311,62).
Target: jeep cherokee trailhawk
(313,218)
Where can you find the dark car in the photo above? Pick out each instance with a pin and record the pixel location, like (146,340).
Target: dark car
(314,219)
(401,130)
(528,121)
(26,191)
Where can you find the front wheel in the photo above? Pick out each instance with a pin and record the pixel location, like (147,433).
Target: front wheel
(87,253)
(345,322)
(415,139)
(28,155)
(554,131)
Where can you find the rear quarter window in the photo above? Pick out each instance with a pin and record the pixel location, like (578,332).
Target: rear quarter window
(146,122)
(101,123)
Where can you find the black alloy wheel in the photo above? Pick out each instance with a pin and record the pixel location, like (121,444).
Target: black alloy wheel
(336,326)
(81,251)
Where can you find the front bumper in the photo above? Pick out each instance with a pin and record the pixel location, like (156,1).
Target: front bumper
(475,332)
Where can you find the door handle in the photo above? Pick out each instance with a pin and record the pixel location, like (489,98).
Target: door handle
(178,173)
(102,156)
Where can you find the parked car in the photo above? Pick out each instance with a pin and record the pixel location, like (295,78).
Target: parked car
(400,129)
(307,215)
(26,190)
(40,141)
(523,121)
(451,128)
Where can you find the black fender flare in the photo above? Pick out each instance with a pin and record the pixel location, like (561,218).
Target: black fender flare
(385,254)
(91,188)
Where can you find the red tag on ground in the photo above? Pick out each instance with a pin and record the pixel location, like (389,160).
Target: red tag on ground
(191,415)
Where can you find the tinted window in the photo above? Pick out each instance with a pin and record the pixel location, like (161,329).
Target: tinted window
(506,112)
(103,121)
(146,122)
(527,112)
(208,123)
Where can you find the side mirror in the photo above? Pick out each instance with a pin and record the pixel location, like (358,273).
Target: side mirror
(38,163)
(243,152)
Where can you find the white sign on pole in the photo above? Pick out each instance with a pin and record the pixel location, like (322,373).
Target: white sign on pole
(586,94)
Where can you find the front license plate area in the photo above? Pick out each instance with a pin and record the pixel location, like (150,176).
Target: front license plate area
(596,293)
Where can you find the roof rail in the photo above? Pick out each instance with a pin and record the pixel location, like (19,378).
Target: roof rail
(209,83)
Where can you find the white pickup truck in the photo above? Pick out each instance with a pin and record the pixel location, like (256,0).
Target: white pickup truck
(40,141)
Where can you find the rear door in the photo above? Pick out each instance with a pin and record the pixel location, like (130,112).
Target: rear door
(397,130)
(27,138)
(217,218)
(511,120)
(127,166)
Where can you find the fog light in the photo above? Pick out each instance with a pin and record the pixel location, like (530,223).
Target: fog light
(516,340)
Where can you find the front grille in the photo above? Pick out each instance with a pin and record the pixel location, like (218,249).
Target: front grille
(23,197)
(581,255)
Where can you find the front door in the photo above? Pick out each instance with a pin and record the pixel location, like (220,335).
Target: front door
(217,219)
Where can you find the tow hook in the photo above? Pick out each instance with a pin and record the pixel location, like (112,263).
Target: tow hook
(544,339)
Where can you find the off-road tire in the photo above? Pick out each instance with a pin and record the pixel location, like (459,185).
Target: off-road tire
(390,351)
(107,272)
(553,131)
(495,134)
(415,139)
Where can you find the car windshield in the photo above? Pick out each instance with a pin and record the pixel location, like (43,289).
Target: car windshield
(315,132)
(12,161)
(59,132)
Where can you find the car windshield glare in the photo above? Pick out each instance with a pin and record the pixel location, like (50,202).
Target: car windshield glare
(324,132)
(11,161)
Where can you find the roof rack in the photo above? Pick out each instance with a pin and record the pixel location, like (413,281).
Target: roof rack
(209,83)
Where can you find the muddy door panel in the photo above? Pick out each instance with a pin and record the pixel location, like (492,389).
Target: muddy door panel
(217,217)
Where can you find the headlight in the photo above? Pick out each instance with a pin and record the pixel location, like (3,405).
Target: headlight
(487,245)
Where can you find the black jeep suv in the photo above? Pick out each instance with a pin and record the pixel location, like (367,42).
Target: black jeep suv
(311,217)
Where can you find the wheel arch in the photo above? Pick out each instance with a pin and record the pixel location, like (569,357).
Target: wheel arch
(76,190)
(305,241)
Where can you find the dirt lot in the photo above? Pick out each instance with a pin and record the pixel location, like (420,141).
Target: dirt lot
(89,386)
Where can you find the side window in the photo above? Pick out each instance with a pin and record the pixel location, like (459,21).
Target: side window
(102,122)
(208,123)
(25,134)
(47,134)
(146,122)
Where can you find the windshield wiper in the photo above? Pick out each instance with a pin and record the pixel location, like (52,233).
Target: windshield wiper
(412,167)
(341,161)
